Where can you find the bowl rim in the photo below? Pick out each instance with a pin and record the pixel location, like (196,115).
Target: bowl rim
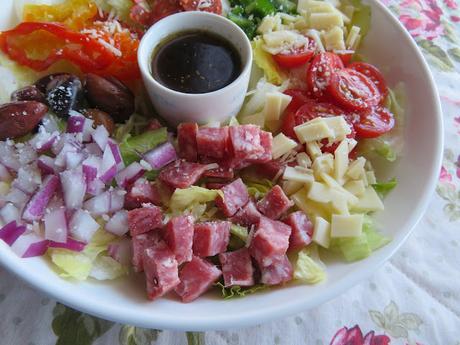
(251,317)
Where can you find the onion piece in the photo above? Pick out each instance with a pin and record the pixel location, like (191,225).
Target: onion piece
(83,226)
(115,151)
(8,155)
(28,179)
(10,213)
(95,187)
(129,174)
(108,166)
(75,123)
(93,149)
(30,245)
(73,159)
(11,232)
(56,226)
(17,197)
(35,208)
(161,155)
(43,140)
(91,166)
(121,251)
(71,244)
(5,175)
(117,199)
(46,165)
(73,187)
(26,153)
(88,130)
(98,205)
(101,137)
(118,224)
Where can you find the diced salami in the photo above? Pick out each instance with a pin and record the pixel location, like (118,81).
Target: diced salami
(213,6)
(182,174)
(142,192)
(274,203)
(220,173)
(215,185)
(269,170)
(302,230)
(161,270)
(247,215)
(235,196)
(237,268)
(277,273)
(245,142)
(266,141)
(141,220)
(196,277)
(179,237)
(212,142)
(139,244)
(186,138)
(211,238)
(270,241)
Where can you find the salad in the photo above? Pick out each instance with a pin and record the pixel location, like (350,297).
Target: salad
(94,182)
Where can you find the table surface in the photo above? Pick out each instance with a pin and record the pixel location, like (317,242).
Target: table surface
(413,299)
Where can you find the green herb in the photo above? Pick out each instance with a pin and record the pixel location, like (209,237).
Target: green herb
(383,188)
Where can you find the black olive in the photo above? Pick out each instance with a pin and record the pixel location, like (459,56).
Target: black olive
(43,82)
(63,94)
(28,93)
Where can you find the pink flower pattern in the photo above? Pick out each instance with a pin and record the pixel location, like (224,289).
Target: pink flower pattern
(422,18)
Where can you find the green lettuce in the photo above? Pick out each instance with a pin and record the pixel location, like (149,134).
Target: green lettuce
(383,188)
(361,16)
(265,61)
(238,291)
(132,148)
(259,189)
(308,266)
(375,239)
(187,197)
(238,238)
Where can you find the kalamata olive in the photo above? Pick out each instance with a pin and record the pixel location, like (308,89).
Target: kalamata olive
(64,93)
(20,118)
(100,118)
(43,82)
(28,93)
(110,95)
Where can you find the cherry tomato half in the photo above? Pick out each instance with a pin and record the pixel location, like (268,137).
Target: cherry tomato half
(299,98)
(320,72)
(353,90)
(345,56)
(373,74)
(374,123)
(296,58)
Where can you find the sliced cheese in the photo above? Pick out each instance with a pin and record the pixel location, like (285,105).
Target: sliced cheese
(356,168)
(320,192)
(331,182)
(298,175)
(346,225)
(283,41)
(313,149)
(290,187)
(269,24)
(371,177)
(339,203)
(282,145)
(254,119)
(323,164)
(303,160)
(369,201)
(352,37)
(339,126)
(314,6)
(315,35)
(351,144)
(310,207)
(322,232)
(341,161)
(275,104)
(313,130)
(324,21)
(355,187)
(334,39)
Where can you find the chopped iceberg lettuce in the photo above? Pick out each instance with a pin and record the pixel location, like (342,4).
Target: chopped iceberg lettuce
(131,148)
(185,198)
(383,188)
(239,291)
(308,266)
(265,61)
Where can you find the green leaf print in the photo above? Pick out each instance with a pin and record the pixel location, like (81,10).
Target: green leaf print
(454,53)
(449,32)
(436,55)
(130,335)
(75,328)
(195,338)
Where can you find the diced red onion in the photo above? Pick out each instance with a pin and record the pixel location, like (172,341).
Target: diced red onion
(10,232)
(56,202)
(73,187)
(161,155)
(26,153)
(121,251)
(93,149)
(98,205)
(101,137)
(73,159)
(67,142)
(28,179)
(118,224)
(115,151)
(45,164)
(30,245)
(82,226)
(75,123)
(5,175)
(56,226)
(50,124)
(43,140)
(117,200)
(71,244)
(129,174)
(17,197)
(91,165)
(108,166)
(95,187)
(9,213)
(35,208)
(8,155)
(88,130)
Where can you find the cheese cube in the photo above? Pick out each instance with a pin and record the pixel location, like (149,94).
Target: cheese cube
(351,144)
(290,187)
(356,168)
(339,126)
(303,160)
(333,39)
(346,226)
(371,177)
(314,34)
(339,203)
(320,192)
(313,149)
(324,21)
(323,164)
(269,24)
(310,207)
(335,185)
(275,104)
(298,174)
(282,145)
(341,161)
(368,202)
(254,119)
(313,130)
(352,37)
(322,232)
(356,187)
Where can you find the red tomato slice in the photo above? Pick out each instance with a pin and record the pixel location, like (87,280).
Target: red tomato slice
(215,6)
(374,123)
(373,74)
(320,72)
(353,90)
(296,58)
(345,56)
(299,98)
(164,8)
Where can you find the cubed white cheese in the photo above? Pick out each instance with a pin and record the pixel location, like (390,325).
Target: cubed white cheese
(283,41)
(320,192)
(275,104)
(352,37)
(356,168)
(355,187)
(282,145)
(346,226)
(323,164)
(269,24)
(334,39)
(322,232)
(308,206)
(369,201)
(290,187)
(331,182)
(324,21)
(339,126)
(339,203)
(315,35)
(298,175)
(313,149)
(255,119)
(341,161)
(371,177)
(351,144)
(303,160)
(313,130)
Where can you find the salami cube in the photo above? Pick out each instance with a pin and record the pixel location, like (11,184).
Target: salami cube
(277,273)
(220,173)
(179,237)
(215,185)
(212,142)
(211,238)
(235,196)
(302,230)
(269,170)
(161,270)
(247,215)
(141,220)
(237,268)
(266,141)
(142,192)
(182,174)
(139,244)
(274,203)
(196,277)
(270,241)
(245,142)
(186,138)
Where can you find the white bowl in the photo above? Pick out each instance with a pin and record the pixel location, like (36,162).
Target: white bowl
(389,46)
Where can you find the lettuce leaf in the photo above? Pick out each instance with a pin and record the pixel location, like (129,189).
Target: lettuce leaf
(259,189)
(187,197)
(361,17)
(265,61)
(383,188)
(238,237)
(238,291)
(308,267)
(375,239)
(106,268)
(132,147)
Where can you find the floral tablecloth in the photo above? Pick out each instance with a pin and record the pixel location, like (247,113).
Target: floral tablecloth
(413,299)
